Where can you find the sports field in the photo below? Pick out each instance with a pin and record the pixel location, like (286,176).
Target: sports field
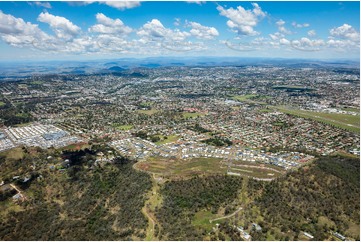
(345,121)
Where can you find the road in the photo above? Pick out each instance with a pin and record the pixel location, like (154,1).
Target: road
(151,225)
(19,191)
(228,216)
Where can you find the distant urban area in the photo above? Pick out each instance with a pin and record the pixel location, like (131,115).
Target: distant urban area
(256,123)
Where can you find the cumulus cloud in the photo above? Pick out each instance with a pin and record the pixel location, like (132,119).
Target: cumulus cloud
(276,36)
(297,25)
(345,32)
(17,32)
(241,20)
(306,44)
(202,32)
(154,30)
(177,21)
(343,44)
(61,26)
(40,4)
(311,33)
(280,23)
(107,25)
(284,41)
(122,4)
(197,2)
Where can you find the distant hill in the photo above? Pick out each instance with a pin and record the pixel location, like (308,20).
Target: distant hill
(116,68)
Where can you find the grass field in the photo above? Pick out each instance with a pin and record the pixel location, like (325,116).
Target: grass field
(148,112)
(192,115)
(170,139)
(201,219)
(147,104)
(353,230)
(173,168)
(247,98)
(345,121)
(123,127)
(2,104)
(356,110)
(15,153)
(176,168)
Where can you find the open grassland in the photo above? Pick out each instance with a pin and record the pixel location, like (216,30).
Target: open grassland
(169,139)
(344,121)
(356,110)
(201,219)
(176,168)
(14,153)
(123,127)
(173,168)
(36,82)
(148,112)
(250,98)
(192,115)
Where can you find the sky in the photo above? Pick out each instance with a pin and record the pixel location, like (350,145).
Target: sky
(93,30)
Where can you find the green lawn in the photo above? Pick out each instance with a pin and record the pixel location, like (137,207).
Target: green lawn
(247,98)
(356,110)
(170,139)
(147,104)
(192,115)
(148,112)
(345,121)
(201,219)
(22,124)
(123,127)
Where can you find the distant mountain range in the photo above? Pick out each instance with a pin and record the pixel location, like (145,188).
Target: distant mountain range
(14,70)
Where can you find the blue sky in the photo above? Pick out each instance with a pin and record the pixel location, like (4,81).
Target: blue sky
(98,30)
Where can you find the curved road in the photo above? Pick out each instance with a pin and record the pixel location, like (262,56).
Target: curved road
(228,216)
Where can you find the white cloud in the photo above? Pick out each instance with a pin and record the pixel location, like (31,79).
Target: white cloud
(61,26)
(311,33)
(343,44)
(177,21)
(154,30)
(107,25)
(197,2)
(202,32)
(122,4)
(296,25)
(17,32)
(346,32)
(306,44)
(280,23)
(276,36)
(242,20)
(40,4)
(284,41)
